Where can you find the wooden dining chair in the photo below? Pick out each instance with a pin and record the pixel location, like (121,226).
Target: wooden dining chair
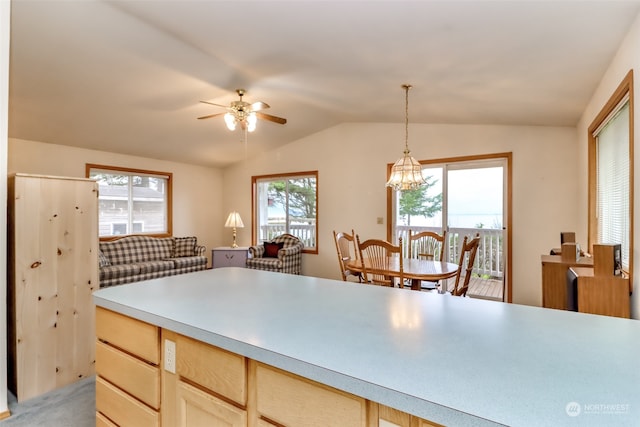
(347,252)
(427,245)
(468,252)
(377,254)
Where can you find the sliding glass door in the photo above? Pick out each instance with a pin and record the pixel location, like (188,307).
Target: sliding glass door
(465,197)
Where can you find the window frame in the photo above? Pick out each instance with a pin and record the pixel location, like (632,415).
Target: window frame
(140,172)
(284,176)
(625,88)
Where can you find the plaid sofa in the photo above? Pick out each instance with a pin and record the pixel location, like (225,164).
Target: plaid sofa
(136,258)
(288,260)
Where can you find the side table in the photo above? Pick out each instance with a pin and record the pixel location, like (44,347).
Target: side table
(226,256)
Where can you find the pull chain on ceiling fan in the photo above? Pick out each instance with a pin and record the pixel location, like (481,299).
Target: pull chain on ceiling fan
(244,114)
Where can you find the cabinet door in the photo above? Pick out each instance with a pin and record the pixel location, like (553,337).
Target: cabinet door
(197,408)
(229,258)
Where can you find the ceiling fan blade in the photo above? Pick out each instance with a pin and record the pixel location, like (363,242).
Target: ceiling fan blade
(271,118)
(210,115)
(259,105)
(217,105)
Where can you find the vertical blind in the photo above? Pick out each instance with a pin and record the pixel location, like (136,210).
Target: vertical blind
(612,145)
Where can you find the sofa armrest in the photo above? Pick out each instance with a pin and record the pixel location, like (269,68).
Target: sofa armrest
(288,251)
(256,251)
(200,250)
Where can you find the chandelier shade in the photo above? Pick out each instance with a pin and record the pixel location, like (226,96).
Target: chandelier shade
(406,173)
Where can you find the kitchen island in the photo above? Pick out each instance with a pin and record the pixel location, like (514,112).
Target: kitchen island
(361,352)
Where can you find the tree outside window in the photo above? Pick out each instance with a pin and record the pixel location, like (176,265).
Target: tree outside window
(287,204)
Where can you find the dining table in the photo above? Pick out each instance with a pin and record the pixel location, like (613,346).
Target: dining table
(413,268)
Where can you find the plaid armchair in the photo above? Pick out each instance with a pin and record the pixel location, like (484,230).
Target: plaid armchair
(282,254)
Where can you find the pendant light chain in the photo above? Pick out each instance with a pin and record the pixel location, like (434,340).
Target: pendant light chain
(406,173)
(406,117)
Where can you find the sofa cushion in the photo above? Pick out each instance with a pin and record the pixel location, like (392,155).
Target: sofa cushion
(184,246)
(103,261)
(155,266)
(268,264)
(118,271)
(132,249)
(190,261)
(271,249)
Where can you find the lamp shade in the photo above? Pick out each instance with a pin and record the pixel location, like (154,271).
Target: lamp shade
(406,174)
(234,220)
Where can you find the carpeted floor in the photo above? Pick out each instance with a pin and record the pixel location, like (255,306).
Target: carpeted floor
(70,406)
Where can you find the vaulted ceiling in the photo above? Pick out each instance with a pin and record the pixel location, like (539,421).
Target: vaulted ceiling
(127,76)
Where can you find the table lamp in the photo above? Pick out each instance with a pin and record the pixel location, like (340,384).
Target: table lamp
(234,221)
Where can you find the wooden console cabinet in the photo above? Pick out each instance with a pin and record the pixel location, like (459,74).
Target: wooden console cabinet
(209,386)
(554,279)
(607,295)
(229,257)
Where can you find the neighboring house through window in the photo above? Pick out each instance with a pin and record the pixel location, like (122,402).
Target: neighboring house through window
(611,173)
(132,201)
(286,203)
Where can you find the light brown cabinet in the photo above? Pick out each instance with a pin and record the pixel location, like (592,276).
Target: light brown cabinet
(554,279)
(209,386)
(607,295)
(128,374)
(52,271)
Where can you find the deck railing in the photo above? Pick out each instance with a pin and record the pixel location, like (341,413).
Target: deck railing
(488,262)
(305,232)
(489,258)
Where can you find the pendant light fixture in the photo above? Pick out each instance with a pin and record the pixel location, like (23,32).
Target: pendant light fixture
(406,173)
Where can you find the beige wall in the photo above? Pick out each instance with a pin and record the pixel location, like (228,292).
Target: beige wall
(627,58)
(351,161)
(197,191)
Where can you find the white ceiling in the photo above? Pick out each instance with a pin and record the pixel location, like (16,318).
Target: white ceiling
(126,76)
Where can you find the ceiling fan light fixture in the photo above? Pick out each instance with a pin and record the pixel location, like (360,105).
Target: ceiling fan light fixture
(252,121)
(406,173)
(230,120)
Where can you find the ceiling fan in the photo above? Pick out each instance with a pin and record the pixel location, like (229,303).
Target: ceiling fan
(244,114)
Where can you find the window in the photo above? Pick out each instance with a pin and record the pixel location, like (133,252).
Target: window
(286,203)
(132,201)
(611,172)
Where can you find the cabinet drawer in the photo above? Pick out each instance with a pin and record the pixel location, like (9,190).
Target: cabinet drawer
(132,375)
(215,369)
(123,409)
(102,421)
(197,408)
(293,401)
(138,338)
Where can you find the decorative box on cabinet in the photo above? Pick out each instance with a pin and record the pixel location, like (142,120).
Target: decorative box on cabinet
(52,271)
(229,257)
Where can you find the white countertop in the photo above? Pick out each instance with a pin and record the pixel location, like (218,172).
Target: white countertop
(456,361)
